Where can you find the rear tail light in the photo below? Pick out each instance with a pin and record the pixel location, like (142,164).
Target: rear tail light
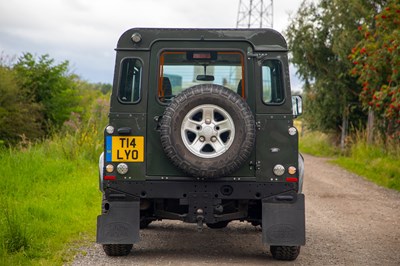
(109,168)
(292,170)
(279,170)
(122,168)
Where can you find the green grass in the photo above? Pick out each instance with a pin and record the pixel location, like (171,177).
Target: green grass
(49,202)
(49,193)
(317,144)
(374,162)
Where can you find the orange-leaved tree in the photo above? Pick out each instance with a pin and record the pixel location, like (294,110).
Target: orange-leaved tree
(376,64)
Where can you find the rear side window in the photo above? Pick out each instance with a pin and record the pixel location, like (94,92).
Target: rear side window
(129,90)
(272,82)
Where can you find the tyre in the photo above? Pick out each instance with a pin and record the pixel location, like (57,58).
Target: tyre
(208,131)
(117,249)
(256,223)
(285,252)
(218,225)
(144,223)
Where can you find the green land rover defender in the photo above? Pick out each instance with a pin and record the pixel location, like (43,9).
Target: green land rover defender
(201,130)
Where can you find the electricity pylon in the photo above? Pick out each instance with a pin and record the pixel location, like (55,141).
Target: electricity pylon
(255,14)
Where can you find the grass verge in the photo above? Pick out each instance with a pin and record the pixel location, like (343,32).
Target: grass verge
(374,162)
(49,201)
(49,191)
(317,144)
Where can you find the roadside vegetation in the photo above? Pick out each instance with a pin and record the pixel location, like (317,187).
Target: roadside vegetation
(376,162)
(48,203)
(347,53)
(50,140)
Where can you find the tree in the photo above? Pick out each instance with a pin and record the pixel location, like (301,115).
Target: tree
(20,117)
(320,38)
(376,61)
(50,85)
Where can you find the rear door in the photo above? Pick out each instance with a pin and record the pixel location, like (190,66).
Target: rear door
(178,75)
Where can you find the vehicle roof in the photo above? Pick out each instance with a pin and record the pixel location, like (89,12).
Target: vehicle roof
(261,39)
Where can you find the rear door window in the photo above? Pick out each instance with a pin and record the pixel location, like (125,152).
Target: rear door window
(180,70)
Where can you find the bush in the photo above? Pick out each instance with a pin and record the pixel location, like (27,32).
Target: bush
(81,135)
(20,117)
(50,85)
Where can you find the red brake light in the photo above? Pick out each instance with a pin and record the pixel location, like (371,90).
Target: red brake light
(201,56)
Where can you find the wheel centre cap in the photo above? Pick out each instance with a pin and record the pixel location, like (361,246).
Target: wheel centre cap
(208,131)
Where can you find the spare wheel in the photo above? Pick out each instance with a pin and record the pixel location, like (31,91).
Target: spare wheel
(208,131)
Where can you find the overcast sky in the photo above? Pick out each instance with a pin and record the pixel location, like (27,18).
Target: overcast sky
(85,32)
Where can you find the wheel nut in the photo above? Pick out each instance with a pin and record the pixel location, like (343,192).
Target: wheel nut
(213,139)
(202,139)
(208,121)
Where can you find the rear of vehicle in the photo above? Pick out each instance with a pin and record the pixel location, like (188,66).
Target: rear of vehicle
(201,130)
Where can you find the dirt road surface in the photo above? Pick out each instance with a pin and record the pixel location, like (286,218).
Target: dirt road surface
(349,221)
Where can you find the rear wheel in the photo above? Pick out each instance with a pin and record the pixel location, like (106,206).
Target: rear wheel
(285,252)
(144,223)
(117,249)
(218,225)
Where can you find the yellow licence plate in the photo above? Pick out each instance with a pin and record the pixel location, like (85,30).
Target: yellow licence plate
(125,149)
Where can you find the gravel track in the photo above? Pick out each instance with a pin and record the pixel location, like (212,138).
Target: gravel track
(349,221)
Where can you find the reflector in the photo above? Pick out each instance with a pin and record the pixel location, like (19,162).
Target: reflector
(291,179)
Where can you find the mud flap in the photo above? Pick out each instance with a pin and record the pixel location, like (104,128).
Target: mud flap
(120,225)
(283,223)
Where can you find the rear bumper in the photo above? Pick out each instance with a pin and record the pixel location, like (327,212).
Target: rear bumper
(134,190)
